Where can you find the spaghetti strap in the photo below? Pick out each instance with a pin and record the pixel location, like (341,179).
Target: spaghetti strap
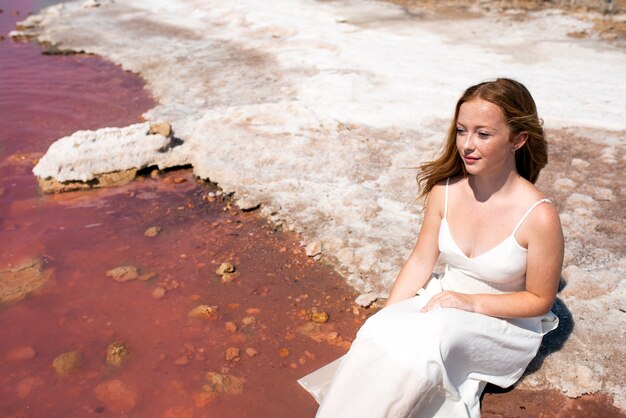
(528,213)
(445,207)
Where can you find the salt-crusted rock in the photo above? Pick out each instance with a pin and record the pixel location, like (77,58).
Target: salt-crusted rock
(108,156)
(163,128)
(366,299)
(25,278)
(313,248)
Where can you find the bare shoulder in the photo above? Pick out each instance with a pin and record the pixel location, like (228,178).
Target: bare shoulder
(437,196)
(543,220)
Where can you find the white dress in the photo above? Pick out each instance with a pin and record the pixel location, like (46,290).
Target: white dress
(404,363)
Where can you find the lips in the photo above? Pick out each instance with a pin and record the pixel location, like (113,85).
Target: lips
(470,160)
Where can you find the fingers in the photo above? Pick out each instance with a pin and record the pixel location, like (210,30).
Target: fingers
(434,302)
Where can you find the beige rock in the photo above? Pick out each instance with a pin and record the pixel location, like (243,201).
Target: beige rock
(224,383)
(117,353)
(162,128)
(225,267)
(152,232)
(113,179)
(248,320)
(320,317)
(251,352)
(313,248)
(21,354)
(117,396)
(231,326)
(27,385)
(67,363)
(232,354)
(227,277)
(206,312)
(182,361)
(123,273)
(158,292)
(25,278)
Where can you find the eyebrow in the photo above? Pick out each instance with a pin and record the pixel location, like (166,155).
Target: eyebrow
(479,126)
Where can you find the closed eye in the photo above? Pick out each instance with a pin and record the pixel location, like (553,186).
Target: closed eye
(460,131)
(484,135)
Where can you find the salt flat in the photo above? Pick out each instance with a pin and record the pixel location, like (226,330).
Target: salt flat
(318,111)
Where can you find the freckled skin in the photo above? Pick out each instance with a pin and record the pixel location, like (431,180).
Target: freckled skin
(483,138)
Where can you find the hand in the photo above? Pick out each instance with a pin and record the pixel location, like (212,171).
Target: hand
(449,299)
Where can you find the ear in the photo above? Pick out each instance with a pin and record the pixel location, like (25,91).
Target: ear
(519,140)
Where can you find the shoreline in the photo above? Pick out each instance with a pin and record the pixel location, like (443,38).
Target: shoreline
(565,198)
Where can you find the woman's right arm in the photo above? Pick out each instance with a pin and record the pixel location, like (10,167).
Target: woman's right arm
(419,266)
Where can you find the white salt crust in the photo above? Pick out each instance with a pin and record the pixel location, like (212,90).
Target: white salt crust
(316,109)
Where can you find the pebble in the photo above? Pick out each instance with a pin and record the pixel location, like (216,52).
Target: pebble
(232,354)
(223,383)
(117,396)
(313,248)
(248,320)
(158,293)
(231,326)
(251,352)
(182,361)
(320,317)
(153,231)
(21,354)
(27,385)
(227,278)
(123,273)
(67,363)
(206,312)
(117,353)
(283,352)
(225,267)
(160,128)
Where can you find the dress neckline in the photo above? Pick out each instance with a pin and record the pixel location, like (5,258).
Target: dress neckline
(492,249)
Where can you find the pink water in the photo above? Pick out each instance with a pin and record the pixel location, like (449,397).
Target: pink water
(82,235)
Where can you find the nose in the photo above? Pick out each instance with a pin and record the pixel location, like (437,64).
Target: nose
(468,142)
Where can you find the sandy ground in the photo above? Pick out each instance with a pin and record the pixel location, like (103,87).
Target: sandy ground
(315,111)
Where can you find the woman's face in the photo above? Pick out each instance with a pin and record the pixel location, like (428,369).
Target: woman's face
(483,138)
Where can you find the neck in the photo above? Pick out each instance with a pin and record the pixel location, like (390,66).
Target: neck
(485,186)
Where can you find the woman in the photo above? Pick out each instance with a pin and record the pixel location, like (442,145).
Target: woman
(482,321)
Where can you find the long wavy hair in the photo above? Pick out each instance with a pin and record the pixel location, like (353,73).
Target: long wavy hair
(520,112)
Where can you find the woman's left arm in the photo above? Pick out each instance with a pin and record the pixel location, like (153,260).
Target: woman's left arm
(543,271)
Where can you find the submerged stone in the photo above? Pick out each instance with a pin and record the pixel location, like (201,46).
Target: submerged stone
(117,396)
(123,273)
(67,363)
(117,353)
(223,383)
(25,278)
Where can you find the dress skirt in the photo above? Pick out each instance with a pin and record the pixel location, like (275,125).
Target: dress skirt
(404,363)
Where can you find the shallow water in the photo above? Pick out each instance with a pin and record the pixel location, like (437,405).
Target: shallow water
(82,235)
